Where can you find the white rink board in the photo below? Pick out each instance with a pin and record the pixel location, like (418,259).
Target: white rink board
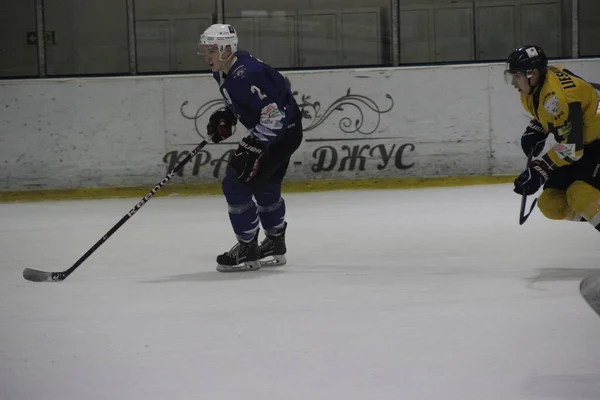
(372,123)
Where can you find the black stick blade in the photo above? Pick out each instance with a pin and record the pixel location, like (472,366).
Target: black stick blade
(590,290)
(523,217)
(34,275)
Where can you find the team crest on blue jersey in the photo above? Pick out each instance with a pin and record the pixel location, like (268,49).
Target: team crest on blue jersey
(239,72)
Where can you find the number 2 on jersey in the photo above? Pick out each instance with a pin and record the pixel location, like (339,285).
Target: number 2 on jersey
(257,91)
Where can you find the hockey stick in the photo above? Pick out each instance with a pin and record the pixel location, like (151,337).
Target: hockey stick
(522,216)
(42,276)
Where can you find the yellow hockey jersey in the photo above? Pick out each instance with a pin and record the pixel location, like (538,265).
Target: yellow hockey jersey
(569,108)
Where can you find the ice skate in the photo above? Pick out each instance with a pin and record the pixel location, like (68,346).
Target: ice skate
(242,257)
(272,249)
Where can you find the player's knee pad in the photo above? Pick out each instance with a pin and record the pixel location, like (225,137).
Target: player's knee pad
(235,191)
(553,204)
(268,193)
(584,199)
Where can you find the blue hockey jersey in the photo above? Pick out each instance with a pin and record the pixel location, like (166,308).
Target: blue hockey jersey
(259,97)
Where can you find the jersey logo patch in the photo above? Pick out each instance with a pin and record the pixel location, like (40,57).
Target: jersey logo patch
(564,150)
(551,105)
(239,72)
(271,117)
(271,111)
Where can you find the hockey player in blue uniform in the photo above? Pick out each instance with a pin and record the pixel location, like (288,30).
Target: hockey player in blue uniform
(259,98)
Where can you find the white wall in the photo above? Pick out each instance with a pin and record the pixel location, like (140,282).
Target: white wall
(128,131)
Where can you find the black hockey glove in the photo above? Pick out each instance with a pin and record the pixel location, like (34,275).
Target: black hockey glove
(532,178)
(220,125)
(533,139)
(247,158)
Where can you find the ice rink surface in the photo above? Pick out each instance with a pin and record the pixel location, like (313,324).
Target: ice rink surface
(425,294)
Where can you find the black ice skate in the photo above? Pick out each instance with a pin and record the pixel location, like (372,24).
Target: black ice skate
(241,257)
(273,247)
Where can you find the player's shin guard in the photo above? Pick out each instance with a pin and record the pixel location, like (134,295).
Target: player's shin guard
(242,209)
(584,199)
(272,216)
(244,220)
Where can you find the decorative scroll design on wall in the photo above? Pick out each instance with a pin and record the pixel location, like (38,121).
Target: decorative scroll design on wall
(359,106)
(312,111)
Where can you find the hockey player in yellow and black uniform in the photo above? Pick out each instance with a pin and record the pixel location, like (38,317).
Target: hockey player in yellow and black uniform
(566,106)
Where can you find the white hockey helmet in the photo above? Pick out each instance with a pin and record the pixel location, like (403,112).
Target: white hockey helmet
(220,35)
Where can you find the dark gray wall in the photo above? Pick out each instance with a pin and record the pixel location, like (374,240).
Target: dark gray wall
(91,36)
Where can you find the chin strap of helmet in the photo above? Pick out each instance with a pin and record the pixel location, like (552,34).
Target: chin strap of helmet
(223,47)
(227,59)
(531,87)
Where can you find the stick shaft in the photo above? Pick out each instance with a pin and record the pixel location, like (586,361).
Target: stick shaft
(59,276)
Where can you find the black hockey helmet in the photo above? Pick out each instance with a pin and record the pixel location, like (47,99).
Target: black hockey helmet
(525,59)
